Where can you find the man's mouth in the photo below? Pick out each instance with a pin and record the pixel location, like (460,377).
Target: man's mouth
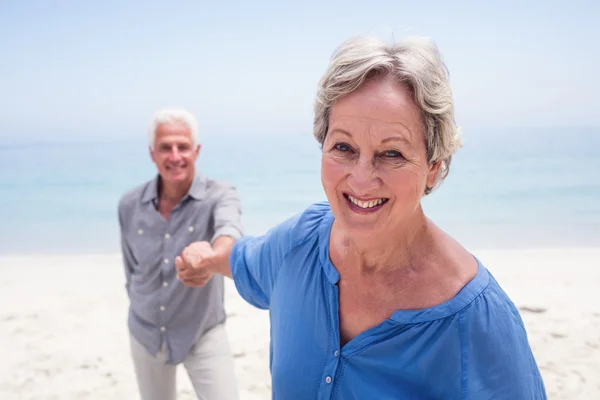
(367,204)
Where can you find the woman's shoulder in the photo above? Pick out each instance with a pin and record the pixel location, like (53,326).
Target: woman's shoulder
(479,297)
(494,308)
(307,223)
(303,227)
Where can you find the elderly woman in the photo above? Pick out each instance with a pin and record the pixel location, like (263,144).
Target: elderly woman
(368,298)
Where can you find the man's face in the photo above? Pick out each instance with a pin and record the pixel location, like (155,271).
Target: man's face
(174,153)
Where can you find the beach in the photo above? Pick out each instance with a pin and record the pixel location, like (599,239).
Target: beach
(64,334)
(82,83)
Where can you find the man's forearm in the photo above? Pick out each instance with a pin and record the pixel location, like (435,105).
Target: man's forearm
(222,248)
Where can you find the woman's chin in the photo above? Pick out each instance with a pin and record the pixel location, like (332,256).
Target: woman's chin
(360,228)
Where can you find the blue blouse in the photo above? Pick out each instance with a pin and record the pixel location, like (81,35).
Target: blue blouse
(473,346)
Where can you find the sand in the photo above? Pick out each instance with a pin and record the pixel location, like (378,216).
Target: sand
(63,325)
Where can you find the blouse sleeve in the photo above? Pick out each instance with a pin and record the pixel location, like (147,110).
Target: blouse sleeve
(256,261)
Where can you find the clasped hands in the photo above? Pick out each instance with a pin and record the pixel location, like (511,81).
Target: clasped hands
(193,266)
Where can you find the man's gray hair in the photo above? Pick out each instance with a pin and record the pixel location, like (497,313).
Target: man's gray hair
(415,62)
(173,115)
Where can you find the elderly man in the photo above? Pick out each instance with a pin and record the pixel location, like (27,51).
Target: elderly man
(171,322)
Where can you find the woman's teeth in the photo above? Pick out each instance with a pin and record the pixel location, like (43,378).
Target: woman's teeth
(366,204)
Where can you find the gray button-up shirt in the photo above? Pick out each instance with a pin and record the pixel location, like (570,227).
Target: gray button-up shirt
(161,306)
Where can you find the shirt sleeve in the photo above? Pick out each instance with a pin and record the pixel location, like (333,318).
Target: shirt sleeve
(127,255)
(227,216)
(255,262)
(501,365)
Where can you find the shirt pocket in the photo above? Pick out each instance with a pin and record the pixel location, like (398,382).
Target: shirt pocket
(146,250)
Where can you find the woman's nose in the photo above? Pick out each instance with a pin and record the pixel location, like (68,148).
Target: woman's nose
(363,177)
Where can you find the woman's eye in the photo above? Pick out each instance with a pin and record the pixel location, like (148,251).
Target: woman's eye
(392,154)
(343,147)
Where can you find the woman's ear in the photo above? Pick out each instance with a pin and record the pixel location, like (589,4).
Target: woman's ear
(434,170)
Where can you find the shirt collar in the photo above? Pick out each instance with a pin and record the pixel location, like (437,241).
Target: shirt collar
(197,191)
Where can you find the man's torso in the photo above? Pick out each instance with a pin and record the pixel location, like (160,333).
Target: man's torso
(162,307)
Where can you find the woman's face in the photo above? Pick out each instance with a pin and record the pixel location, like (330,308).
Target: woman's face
(374,166)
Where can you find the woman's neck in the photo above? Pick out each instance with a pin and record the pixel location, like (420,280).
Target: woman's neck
(398,249)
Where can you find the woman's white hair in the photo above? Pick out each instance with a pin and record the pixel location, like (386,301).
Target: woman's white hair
(173,115)
(414,62)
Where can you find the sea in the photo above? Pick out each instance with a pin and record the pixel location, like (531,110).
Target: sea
(507,188)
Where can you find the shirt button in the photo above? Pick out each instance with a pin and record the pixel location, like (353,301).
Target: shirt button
(191,229)
(166,260)
(140,231)
(328,379)
(162,308)
(167,236)
(165,283)
(162,329)
(336,353)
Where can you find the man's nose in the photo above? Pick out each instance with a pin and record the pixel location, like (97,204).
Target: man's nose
(363,177)
(175,154)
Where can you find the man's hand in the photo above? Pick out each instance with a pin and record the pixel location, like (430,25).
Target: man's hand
(193,264)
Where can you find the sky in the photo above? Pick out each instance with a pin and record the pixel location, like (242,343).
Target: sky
(87,70)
